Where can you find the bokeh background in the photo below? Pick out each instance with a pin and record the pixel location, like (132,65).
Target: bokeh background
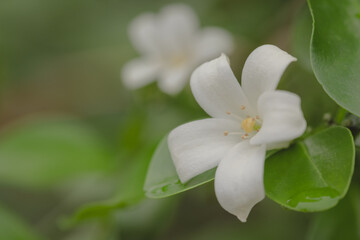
(75,144)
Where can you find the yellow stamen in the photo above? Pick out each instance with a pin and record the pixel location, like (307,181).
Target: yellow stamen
(248,124)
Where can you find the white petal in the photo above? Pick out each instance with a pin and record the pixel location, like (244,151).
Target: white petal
(217,91)
(177,25)
(263,69)
(173,80)
(199,146)
(213,41)
(140,72)
(143,34)
(239,179)
(282,117)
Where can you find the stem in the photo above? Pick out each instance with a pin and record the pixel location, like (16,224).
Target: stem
(340,115)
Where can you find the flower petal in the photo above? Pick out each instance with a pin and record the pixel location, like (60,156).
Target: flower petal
(213,41)
(139,72)
(177,25)
(239,179)
(143,34)
(263,69)
(173,80)
(217,91)
(282,117)
(199,146)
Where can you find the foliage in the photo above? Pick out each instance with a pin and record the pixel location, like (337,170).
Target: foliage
(80,156)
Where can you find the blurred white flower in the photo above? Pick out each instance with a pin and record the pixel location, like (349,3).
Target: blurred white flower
(246,121)
(172,46)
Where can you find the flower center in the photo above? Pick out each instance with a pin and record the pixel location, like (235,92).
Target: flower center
(178,60)
(249,125)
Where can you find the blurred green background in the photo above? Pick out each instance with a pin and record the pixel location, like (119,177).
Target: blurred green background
(75,144)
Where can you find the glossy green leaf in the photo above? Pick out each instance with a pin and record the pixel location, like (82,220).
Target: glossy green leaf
(13,227)
(335,50)
(313,174)
(162,179)
(341,222)
(45,152)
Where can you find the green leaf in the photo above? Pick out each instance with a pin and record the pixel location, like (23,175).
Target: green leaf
(45,152)
(314,174)
(341,222)
(335,50)
(13,227)
(162,179)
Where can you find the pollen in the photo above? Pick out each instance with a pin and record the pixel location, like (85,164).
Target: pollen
(226,133)
(248,124)
(178,60)
(242,107)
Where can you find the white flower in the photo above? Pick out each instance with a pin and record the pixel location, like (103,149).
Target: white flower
(172,46)
(246,121)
